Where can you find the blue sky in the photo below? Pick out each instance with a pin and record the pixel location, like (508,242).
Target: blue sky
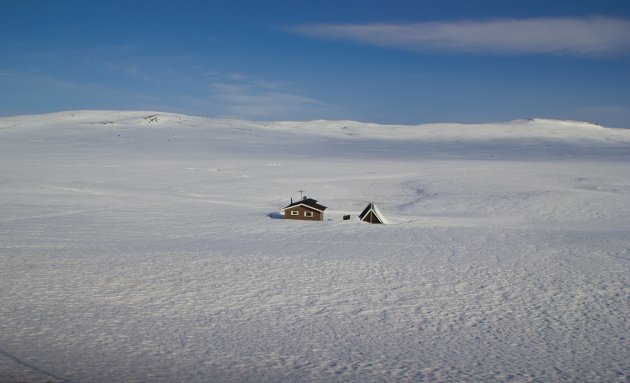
(377,61)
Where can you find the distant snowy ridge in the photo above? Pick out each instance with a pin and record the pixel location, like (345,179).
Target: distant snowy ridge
(537,129)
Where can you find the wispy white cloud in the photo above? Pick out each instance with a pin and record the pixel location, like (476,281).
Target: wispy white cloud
(41,92)
(44,81)
(586,36)
(225,88)
(237,77)
(256,99)
(252,81)
(267,104)
(272,84)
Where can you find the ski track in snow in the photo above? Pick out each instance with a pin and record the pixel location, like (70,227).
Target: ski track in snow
(137,247)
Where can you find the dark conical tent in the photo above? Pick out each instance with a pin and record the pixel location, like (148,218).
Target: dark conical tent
(371,214)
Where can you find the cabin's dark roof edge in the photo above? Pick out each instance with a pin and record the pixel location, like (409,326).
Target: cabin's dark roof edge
(308,202)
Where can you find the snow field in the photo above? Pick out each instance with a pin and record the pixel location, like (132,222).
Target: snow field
(151,256)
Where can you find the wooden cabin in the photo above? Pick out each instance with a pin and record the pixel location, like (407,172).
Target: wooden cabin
(307,209)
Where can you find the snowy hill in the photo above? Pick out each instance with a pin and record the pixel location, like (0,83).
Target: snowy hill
(140,246)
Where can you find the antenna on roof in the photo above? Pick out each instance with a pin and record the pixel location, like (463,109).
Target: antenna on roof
(301,194)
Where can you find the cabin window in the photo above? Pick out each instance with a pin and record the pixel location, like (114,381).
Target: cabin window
(308,214)
(295,212)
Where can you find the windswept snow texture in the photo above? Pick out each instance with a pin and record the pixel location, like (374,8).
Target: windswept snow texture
(145,247)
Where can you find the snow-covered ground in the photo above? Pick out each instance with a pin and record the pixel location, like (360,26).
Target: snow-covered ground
(143,247)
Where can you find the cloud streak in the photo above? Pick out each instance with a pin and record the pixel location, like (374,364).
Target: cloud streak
(587,36)
(250,98)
